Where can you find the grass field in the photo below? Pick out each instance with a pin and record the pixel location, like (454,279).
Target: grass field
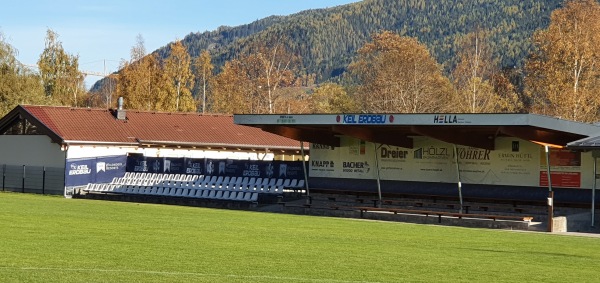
(51,239)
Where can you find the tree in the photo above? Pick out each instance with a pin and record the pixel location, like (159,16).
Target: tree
(474,77)
(397,74)
(204,72)
(18,85)
(331,98)
(140,81)
(229,92)
(563,74)
(62,80)
(255,78)
(178,80)
(277,63)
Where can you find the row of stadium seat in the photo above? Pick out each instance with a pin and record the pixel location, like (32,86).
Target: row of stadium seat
(175,192)
(159,176)
(217,182)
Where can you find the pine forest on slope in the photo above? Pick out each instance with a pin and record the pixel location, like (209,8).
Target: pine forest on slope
(327,39)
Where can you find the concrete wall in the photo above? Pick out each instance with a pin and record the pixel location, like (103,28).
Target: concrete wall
(30,150)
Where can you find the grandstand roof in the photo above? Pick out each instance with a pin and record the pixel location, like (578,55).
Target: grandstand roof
(589,143)
(476,130)
(66,125)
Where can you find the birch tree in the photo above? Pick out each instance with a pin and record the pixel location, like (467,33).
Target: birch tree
(178,80)
(62,80)
(475,76)
(18,84)
(563,74)
(204,72)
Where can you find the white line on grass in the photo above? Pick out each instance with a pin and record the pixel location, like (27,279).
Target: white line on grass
(188,273)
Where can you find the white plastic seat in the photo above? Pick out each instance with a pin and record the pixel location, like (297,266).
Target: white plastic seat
(247,196)
(205,193)
(254,197)
(212,194)
(233,195)
(240,195)
(286,183)
(226,194)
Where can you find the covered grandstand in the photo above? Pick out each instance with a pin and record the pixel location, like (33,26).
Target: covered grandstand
(462,156)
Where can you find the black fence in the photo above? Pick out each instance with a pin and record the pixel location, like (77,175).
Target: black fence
(33,179)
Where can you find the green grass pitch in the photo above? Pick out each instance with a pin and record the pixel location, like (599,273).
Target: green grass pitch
(52,239)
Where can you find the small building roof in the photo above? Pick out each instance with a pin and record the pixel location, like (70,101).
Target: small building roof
(476,130)
(588,143)
(67,125)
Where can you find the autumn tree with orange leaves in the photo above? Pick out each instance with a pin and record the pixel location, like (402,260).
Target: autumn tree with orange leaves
(563,75)
(398,74)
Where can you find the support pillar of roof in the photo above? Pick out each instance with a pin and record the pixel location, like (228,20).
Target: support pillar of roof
(595,154)
(459,182)
(550,192)
(449,136)
(378,175)
(305,172)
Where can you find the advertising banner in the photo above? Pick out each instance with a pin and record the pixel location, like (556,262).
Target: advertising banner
(110,167)
(513,162)
(288,169)
(324,161)
(565,168)
(174,165)
(80,172)
(194,166)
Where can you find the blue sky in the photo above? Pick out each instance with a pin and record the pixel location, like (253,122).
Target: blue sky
(103,32)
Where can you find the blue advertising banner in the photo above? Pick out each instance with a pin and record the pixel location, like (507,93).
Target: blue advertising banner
(174,165)
(80,172)
(137,163)
(216,167)
(194,166)
(110,167)
(289,169)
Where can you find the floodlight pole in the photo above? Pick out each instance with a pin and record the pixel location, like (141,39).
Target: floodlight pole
(459,182)
(305,172)
(378,176)
(550,192)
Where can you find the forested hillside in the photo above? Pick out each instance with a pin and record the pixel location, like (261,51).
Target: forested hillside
(374,56)
(327,39)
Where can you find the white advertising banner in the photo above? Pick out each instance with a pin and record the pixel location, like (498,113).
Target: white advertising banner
(514,162)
